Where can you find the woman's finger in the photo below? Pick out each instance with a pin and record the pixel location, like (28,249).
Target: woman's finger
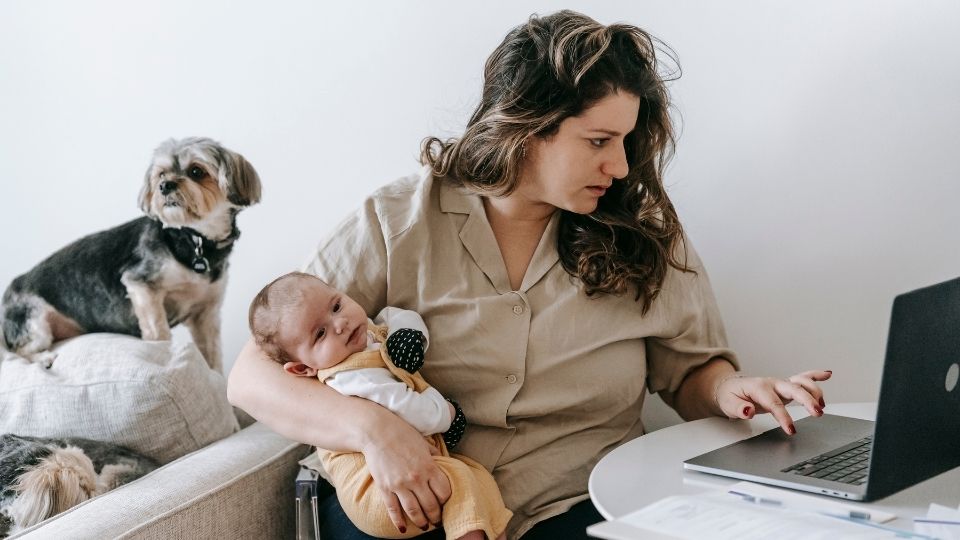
(411,507)
(811,387)
(789,390)
(394,511)
(769,399)
(441,488)
(429,504)
(819,375)
(742,409)
(733,404)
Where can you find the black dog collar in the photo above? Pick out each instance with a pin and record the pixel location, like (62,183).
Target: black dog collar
(196,251)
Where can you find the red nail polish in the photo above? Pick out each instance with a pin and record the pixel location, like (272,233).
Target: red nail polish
(822,403)
(403,530)
(818,410)
(746,411)
(829,371)
(791,430)
(425,528)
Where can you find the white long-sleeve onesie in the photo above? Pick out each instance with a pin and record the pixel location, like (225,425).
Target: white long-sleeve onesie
(428,411)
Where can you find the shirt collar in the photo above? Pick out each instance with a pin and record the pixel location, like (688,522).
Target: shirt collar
(458,199)
(477,238)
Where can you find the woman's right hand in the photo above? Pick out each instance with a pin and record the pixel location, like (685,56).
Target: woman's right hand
(398,456)
(401,463)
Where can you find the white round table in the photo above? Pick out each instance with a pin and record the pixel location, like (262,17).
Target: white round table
(650,467)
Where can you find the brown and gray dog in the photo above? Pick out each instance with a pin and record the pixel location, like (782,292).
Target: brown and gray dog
(147,275)
(41,477)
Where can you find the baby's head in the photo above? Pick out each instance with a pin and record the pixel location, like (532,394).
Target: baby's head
(304,324)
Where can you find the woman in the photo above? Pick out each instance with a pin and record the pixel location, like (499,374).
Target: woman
(552,270)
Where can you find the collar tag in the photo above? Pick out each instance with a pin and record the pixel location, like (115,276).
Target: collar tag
(200,263)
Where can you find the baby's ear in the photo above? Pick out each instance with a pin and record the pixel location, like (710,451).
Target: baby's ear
(299,369)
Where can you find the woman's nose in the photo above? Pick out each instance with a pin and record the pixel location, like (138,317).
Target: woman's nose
(615,162)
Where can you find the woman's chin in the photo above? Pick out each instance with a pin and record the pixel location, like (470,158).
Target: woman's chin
(581,207)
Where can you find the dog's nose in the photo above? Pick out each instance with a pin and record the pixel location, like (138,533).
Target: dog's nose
(167,186)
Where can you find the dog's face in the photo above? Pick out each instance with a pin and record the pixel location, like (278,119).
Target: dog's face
(197,183)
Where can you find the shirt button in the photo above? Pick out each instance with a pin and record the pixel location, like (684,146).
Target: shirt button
(512,379)
(518,309)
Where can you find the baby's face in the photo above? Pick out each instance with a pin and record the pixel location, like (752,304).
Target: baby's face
(326,328)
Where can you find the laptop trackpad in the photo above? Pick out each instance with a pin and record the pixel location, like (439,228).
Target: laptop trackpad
(770,452)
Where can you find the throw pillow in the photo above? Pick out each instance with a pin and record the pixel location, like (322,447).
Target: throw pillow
(157,398)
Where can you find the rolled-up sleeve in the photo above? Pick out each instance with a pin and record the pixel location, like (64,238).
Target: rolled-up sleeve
(691,330)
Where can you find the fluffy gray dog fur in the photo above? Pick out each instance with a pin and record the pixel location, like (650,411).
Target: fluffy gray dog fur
(41,477)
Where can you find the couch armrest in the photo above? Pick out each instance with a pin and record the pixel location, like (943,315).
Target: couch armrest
(239,487)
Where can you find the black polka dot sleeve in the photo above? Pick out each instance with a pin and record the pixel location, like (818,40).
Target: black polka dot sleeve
(405,347)
(453,435)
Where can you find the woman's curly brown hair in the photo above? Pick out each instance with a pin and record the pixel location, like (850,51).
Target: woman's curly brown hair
(553,68)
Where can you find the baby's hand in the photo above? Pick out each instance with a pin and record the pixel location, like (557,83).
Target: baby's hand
(405,347)
(453,435)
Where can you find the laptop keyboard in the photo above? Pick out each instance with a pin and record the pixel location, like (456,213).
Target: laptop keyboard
(848,464)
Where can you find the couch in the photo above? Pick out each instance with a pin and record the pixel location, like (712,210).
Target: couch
(238,487)
(161,400)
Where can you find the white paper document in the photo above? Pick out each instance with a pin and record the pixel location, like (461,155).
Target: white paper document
(720,516)
(940,522)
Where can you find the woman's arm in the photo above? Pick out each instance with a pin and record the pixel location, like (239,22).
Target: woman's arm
(303,409)
(289,405)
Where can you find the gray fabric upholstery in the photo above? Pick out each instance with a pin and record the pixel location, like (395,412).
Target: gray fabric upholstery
(157,398)
(239,487)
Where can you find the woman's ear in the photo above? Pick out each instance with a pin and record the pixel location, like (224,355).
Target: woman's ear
(299,369)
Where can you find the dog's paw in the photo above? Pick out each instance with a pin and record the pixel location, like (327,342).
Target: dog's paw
(155,334)
(44,358)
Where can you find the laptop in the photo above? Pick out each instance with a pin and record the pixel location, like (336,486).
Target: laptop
(917,431)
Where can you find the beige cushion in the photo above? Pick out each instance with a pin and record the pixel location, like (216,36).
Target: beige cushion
(157,398)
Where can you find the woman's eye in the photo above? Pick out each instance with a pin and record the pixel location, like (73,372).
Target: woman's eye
(336,307)
(196,173)
(598,142)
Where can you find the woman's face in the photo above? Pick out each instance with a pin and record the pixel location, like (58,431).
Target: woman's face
(573,168)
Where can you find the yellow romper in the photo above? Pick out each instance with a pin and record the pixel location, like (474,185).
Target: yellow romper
(475,502)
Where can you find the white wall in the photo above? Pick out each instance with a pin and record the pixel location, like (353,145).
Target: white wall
(817,169)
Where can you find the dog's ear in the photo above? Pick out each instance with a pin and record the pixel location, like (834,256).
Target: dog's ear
(239,179)
(146,192)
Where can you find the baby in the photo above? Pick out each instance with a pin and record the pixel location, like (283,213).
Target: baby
(316,331)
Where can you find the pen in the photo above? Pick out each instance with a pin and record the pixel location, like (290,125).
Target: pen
(935,521)
(899,533)
(846,514)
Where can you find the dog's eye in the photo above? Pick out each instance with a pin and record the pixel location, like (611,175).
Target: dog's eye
(196,173)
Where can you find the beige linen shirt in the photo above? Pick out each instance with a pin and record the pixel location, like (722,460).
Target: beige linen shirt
(549,379)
